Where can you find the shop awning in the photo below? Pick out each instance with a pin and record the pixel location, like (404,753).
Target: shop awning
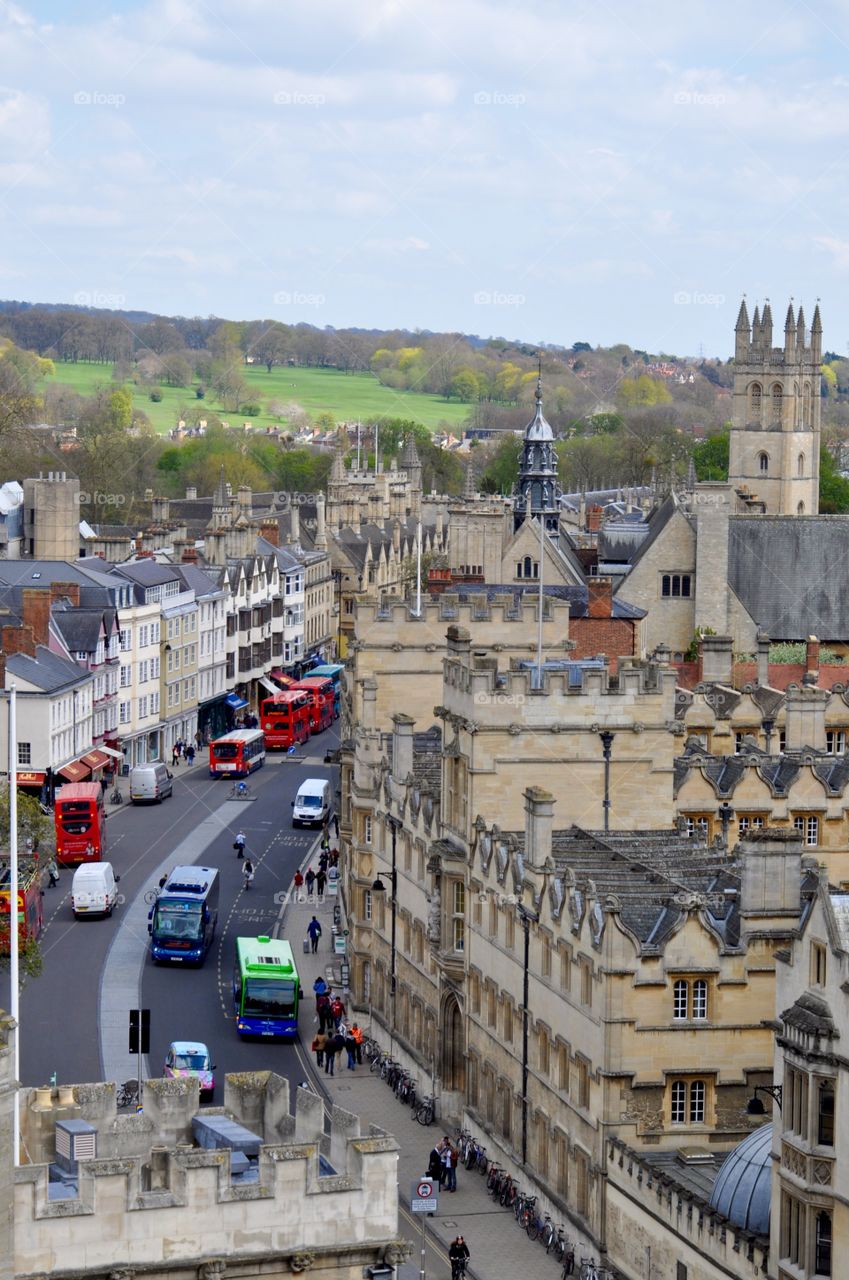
(76,771)
(95,759)
(29,778)
(112,753)
(269,684)
(235,702)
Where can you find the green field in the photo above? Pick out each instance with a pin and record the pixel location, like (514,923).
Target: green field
(348,397)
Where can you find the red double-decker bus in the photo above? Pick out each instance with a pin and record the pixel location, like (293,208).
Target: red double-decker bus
(321,694)
(80,823)
(285,718)
(237,754)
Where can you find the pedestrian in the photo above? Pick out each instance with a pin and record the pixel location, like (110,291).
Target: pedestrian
(104,784)
(337,1009)
(89,852)
(458,1255)
(434,1164)
(53,872)
(175,756)
(445,1171)
(449,1160)
(325,838)
(298,883)
(310,879)
(357,1033)
(334,857)
(336,825)
(320,882)
(179,746)
(325,1015)
(319,1045)
(190,755)
(199,739)
(248,872)
(314,931)
(163,880)
(322,862)
(351,1047)
(320,989)
(239,844)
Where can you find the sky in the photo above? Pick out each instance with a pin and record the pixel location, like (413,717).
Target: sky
(553,171)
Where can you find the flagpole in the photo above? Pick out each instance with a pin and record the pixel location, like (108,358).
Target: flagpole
(419,572)
(14,958)
(539,620)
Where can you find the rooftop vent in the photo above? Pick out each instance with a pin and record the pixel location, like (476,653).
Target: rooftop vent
(75,1140)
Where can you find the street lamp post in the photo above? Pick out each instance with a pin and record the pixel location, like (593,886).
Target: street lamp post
(606,745)
(526,917)
(380,887)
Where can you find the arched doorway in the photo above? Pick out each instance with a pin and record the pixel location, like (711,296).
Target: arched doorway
(453,1045)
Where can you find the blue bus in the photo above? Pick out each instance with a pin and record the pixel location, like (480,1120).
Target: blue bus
(184,917)
(332,671)
(266,988)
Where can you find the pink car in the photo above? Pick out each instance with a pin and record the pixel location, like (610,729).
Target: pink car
(191,1058)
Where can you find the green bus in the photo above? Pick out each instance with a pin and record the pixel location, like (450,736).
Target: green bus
(266,988)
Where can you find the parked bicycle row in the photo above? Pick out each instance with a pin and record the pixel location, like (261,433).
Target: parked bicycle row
(401,1082)
(504,1189)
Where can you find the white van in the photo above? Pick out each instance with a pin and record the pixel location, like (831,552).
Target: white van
(94,891)
(311,806)
(150,782)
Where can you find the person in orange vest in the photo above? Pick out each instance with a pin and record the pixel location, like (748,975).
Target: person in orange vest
(357,1034)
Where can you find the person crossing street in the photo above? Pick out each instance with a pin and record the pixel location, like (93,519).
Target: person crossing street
(239,844)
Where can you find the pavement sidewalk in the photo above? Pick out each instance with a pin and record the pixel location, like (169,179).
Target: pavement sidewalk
(497,1245)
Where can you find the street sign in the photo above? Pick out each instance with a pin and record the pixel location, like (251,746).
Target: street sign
(425,1196)
(340,944)
(140,1031)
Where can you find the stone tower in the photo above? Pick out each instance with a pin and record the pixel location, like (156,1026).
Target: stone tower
(775,428)
(538,472)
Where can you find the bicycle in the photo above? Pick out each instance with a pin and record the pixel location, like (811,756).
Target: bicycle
(240,791)
(127,1094)
(548,1234)
(458,1268)
(527,1215)
(371,1049)
(535,1226)
(561,1245)
(378,1059)
(568,1261)
(425,1112)
(116,797)
(589,1271)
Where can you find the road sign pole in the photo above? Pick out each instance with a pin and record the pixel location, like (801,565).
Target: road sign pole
(423,1276)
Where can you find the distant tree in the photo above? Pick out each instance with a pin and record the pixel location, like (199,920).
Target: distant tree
(834,488)
(710,457)
(501,470)
(581,346)
(642,392)
(465,385)
(272,346)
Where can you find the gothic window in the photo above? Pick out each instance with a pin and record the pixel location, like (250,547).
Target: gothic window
(793,1230)
(675,585)
(806,407)
(755,401)
(458,916)
(800,509)
(800,466)
(822,1244)
(763,463)
(777,401)
(794,1111)
(825,1113)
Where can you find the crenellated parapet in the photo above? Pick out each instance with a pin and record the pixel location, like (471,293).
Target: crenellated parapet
(181,1206)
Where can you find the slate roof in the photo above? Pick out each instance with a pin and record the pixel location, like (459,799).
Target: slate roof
(783,570)
(40,573)
(657,522)
(427,760)
(147,572)
(81,628)
(840,912)
(47,671)
(645,871)
(196,579)
(697,1179)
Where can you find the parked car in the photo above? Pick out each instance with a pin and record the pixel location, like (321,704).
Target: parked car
(94,889)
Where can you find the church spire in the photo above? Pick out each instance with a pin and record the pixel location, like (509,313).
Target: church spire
(337,471)
(742,318)
(469,490)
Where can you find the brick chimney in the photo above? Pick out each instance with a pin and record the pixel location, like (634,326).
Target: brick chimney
(594,515)
(2,671)
(190,555)
(812,659)
(599,597)
(270,530)
(36,612)
(69,590)
(18,640)
(438,580)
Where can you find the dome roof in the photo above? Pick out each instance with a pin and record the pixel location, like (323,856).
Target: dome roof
(538,428)
(742,1189)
